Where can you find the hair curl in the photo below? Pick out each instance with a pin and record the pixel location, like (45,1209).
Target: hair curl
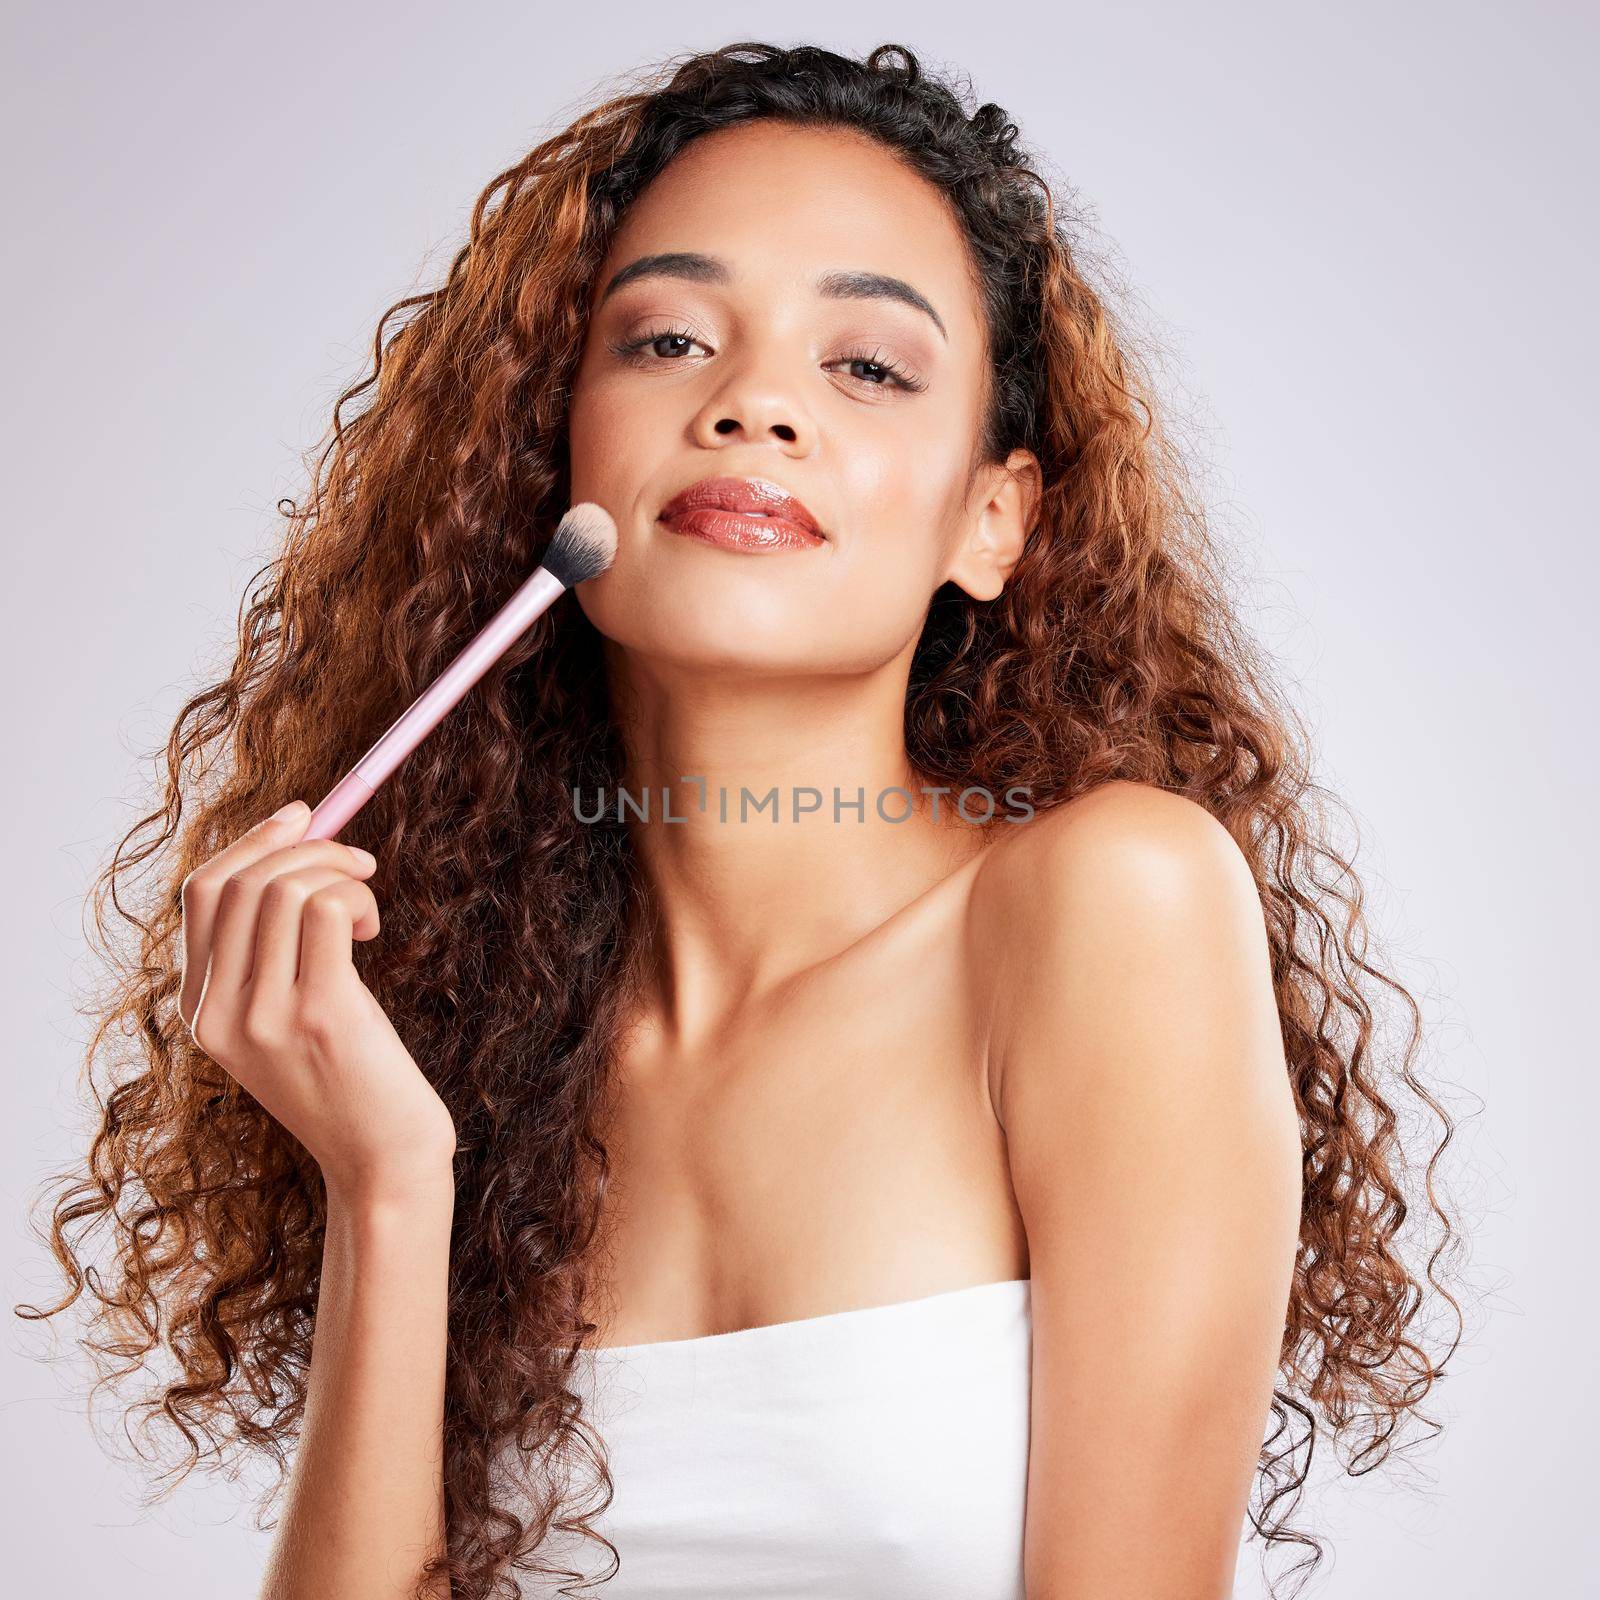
(1113,653)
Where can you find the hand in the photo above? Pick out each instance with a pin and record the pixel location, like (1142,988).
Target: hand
(271,994)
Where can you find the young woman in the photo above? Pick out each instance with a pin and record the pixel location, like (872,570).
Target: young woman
(869,1080)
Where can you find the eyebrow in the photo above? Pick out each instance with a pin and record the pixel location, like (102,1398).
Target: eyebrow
(696,268)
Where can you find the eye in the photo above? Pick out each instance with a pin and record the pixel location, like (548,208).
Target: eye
(881,373)
(634,349)
(890,373)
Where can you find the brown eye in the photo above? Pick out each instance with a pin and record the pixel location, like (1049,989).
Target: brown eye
(886,373)
(634,349)
(878,371)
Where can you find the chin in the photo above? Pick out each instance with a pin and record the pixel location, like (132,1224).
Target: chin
(668,605)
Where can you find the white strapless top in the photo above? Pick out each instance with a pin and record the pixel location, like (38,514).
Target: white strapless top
(879,1453)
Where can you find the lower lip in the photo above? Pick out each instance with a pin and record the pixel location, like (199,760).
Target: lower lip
(742,530)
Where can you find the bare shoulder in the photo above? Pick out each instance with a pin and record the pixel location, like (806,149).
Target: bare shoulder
(1152,1139)
(1126,840)
(1129,895)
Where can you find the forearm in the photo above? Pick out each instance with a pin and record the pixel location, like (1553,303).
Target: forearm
(365,1503)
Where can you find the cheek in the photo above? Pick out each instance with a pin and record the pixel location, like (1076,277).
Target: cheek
(881,587)
(593,418)
(616,434)
(901,505)
(903,472)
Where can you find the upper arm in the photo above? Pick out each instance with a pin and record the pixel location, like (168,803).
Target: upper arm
(1155,1157)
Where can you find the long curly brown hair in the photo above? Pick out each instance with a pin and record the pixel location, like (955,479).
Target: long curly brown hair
(508,945)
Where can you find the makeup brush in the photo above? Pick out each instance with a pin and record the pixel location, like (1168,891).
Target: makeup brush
(583,545)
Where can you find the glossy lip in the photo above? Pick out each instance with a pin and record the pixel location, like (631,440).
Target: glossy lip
(758,503)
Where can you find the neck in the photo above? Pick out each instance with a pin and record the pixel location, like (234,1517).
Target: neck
(782,821)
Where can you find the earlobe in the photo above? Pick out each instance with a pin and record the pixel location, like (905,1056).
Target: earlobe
(1007,501)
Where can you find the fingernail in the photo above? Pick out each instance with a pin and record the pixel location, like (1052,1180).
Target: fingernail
(365,857)
(283,813)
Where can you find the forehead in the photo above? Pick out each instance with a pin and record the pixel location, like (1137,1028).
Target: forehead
(783,205)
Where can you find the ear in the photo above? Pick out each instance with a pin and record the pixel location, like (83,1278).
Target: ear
(1004,502)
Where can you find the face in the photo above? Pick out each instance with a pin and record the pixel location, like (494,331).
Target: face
(821,332)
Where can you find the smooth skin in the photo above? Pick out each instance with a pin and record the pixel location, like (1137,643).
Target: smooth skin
(881,1060)
(271,993)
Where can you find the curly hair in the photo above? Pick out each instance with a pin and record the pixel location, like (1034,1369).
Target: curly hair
(509,945)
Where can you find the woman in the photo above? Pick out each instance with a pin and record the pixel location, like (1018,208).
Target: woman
(942,1173)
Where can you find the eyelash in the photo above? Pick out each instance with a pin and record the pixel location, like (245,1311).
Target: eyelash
(898,375)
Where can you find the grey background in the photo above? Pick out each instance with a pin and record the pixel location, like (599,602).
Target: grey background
(1365,238)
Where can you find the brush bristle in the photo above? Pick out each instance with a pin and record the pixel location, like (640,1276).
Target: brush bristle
(583,545)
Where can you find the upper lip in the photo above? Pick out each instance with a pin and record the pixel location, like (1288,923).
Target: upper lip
(753,496)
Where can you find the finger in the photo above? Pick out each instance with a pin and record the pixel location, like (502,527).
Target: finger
(277,949)
(327,925)
(202,892)
(235,929)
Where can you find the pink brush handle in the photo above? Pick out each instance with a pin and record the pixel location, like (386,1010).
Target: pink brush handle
(496,636)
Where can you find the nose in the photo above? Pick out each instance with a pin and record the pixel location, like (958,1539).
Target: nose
(754,407)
